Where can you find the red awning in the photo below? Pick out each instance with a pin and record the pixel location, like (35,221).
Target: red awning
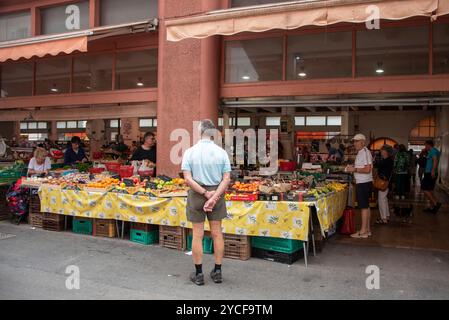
(296,14)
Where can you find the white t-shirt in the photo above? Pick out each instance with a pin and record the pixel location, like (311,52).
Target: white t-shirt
(39,167)
(363,159)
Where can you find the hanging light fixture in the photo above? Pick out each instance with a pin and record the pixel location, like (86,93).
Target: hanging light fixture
(380,68)
(140,83)
(54,89)
(302,72)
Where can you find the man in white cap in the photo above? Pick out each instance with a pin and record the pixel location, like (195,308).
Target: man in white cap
(363,174)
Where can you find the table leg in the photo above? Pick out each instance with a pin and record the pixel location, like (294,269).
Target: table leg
(117,228)
(123,228)
(65,223)
(313,233)
(306,252)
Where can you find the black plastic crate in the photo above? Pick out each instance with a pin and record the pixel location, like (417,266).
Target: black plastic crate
(287,258)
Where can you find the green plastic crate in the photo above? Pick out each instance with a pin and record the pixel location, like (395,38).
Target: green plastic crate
(143,237)
(83,226)
(208,244)
(57,166)
(277,244)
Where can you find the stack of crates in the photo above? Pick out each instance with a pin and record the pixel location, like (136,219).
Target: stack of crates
(208,243)
(277,249)
(144,233)
(35,216)
(237,247)
(172,237)
(82,225)
(53,222)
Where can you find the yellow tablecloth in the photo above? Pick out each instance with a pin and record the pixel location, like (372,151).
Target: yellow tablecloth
(331,208)
(259,218)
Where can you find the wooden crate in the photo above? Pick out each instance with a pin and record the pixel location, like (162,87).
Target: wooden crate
(53,225)
(104,228)
(144,226)
(237,247)
(53,217)
(36,219)
(172,237)
(35,204)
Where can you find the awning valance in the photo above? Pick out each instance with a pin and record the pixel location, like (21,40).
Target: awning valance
(296,14)
(68,42)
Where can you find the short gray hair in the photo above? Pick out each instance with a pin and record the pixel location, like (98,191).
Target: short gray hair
(206,125)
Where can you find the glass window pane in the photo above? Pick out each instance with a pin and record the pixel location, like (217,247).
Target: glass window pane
(244,121)
(82,124)
(254,60)
(53,76)
(23,126)
(136,69)
(42,125)
(114,136)
(155,123)
(37,136)
(273,121)
(92,73)
(16,79)
(316,121)
(32,125)
(118,11)
(61,125)
(334,121)
(441,48)
(145,123)
(244,3)
(15,26)
(322,55)
(220,122)
(393,51)
(300,121)
(65,18)
(71,124)
(113,123)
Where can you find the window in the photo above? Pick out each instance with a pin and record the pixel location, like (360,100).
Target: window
(316,121)
(15,26)
(393,51)
(334,121)
(82,124)
(425,128)
(118,11)
(241,122)
(32,125)
(61,125)
(114,136)
(254,60)
(147,123)
(441,48)
(300,121)
(92,73)
(23,126)
(322,55)
(37,136)
(114,123)
(16,79)
(244,3)
(71,124)
(53,75)
(136,69)
(273,121)
(65,18)
(42,125)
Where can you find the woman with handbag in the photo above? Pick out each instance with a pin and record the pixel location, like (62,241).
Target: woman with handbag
(382,181)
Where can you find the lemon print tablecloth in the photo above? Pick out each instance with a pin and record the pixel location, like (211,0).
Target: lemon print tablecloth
(259,218)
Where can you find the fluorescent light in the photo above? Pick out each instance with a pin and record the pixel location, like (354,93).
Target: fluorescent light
(54,90)
(302,74)
(380,68)
(246,77)
(140,84)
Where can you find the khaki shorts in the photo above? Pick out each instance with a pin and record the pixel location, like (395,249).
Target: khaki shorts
(195,204)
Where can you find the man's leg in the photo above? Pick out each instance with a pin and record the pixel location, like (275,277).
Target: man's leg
(197,243)
(217,236)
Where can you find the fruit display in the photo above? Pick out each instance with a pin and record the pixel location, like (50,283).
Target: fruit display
(246,187)
(103,184)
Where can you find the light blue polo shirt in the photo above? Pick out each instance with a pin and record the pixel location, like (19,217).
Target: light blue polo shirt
(207,162)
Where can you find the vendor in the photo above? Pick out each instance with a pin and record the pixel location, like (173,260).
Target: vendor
(40,164)
(74,153)
(147,151)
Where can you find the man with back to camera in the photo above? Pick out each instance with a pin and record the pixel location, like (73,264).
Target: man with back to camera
(431,176)
(206,169)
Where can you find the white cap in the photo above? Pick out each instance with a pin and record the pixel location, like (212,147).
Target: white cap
(359,137)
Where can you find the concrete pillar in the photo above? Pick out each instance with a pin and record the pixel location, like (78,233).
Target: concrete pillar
(188,80)
(345,121)
(53,131)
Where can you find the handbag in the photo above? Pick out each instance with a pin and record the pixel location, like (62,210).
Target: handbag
(380,183)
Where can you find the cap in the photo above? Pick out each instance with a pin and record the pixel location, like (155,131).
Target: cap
(359,137)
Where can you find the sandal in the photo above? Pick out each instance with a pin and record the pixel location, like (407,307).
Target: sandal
(380,221)
(359,235)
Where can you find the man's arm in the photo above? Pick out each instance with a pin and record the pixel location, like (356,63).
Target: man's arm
(192,183)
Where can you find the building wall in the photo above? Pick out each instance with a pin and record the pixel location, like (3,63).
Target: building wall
(7,129)
(395,125)
(443,143)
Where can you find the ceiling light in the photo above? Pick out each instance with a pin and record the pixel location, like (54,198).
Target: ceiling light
(302,73)
(140,83)
(54,89)
(246,77)
(380,68)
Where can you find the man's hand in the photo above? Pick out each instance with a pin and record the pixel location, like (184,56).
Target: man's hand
(209,194)
(210,204)
(350,168)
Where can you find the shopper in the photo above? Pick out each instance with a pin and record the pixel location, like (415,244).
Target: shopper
(147,151)
(40,164)
(363,175)
(431,176)
(384,171)
(206,169)
(341,153)
(331,152)
(412,170)
(422,162)
(401,167)
(74,153)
